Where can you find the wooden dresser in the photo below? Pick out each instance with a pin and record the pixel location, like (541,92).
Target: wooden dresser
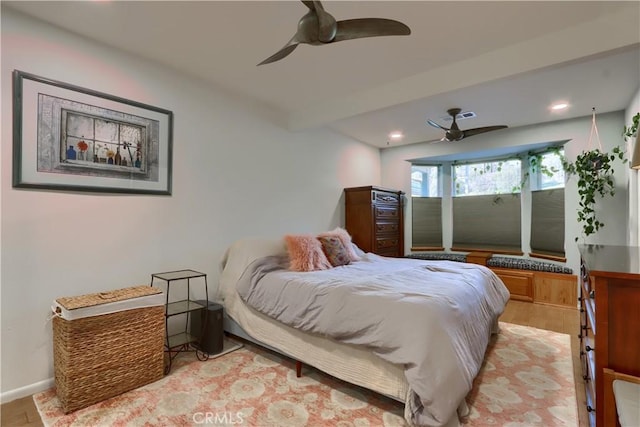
(374,218)
(609,318)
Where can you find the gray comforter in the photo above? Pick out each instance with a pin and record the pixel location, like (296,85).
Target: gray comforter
(432,317)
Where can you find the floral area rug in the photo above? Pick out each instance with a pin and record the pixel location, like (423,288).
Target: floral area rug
(526,380)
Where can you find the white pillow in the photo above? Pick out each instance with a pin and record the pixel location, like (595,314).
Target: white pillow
(357,250)
(242,253)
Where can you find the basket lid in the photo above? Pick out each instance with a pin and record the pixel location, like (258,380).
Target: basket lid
(89,300)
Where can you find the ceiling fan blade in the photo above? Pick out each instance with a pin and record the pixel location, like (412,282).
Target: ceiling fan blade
(435,125)
(310,5)
(435,141)
(350,29)
(286,50)
(327,26)
(476,131)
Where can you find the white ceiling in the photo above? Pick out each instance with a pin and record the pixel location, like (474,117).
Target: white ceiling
(504,60)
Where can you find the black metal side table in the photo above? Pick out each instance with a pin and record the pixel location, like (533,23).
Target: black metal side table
(182,341)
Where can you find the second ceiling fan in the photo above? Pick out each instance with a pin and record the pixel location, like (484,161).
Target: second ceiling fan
(454,133)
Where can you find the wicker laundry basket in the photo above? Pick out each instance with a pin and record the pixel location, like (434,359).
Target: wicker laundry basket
(99,356)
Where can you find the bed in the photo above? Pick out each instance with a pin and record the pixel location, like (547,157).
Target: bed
(413,330)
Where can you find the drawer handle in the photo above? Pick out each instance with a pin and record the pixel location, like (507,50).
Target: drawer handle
(590,409)
(585,377)
(588,348)
(383,227)
(579,336)
(585,327)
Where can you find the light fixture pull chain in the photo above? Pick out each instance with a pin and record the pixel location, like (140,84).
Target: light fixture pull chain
(594,130)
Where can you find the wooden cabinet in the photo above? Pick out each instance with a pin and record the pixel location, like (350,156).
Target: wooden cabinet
(519,283)
(555,289)
(533,286)
(609,318)
(374,218)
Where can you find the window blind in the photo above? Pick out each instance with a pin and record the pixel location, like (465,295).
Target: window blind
(426,220)
(489,222)
(547,221)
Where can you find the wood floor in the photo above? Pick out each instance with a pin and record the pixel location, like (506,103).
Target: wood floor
(22,412)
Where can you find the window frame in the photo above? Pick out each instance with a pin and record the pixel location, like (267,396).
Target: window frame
(515,187)
(524,187)
(536,173)
(439,185)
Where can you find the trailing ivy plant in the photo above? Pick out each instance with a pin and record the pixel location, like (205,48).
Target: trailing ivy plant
(630,131)
(595,173)
(537,165)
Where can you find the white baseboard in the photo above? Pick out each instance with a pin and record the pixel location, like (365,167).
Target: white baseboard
(28,390)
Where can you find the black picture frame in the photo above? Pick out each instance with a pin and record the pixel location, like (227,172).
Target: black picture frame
(71,138)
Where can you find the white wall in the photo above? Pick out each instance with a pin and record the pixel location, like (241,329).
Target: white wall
(614,213)
(235,174)
(634,185)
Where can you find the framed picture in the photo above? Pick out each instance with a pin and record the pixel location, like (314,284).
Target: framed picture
(70,138)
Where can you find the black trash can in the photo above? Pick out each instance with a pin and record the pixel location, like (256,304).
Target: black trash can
(207,323)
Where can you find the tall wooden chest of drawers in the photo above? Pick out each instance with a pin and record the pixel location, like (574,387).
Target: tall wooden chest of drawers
(374,218)
(609,318)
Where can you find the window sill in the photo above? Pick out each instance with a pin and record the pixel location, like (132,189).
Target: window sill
(504,251)
(547,256)
(426,248)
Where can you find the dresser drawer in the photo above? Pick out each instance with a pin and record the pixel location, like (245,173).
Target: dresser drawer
(588,350)
(585,323)
(387,212)
(383,243)
(588,362)
(390,252)
(588,305)
(387,228)
(381,197)
(520,284)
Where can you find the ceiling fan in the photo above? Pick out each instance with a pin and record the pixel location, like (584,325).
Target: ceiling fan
(318,27)
(455,133)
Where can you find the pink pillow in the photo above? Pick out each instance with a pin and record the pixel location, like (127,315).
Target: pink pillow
(345,238)
(334,250)
(305,253)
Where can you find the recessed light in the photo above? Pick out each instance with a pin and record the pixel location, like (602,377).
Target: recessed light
(396,135)
(559,106)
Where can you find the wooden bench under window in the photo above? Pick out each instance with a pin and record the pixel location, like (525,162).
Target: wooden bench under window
(527,280)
